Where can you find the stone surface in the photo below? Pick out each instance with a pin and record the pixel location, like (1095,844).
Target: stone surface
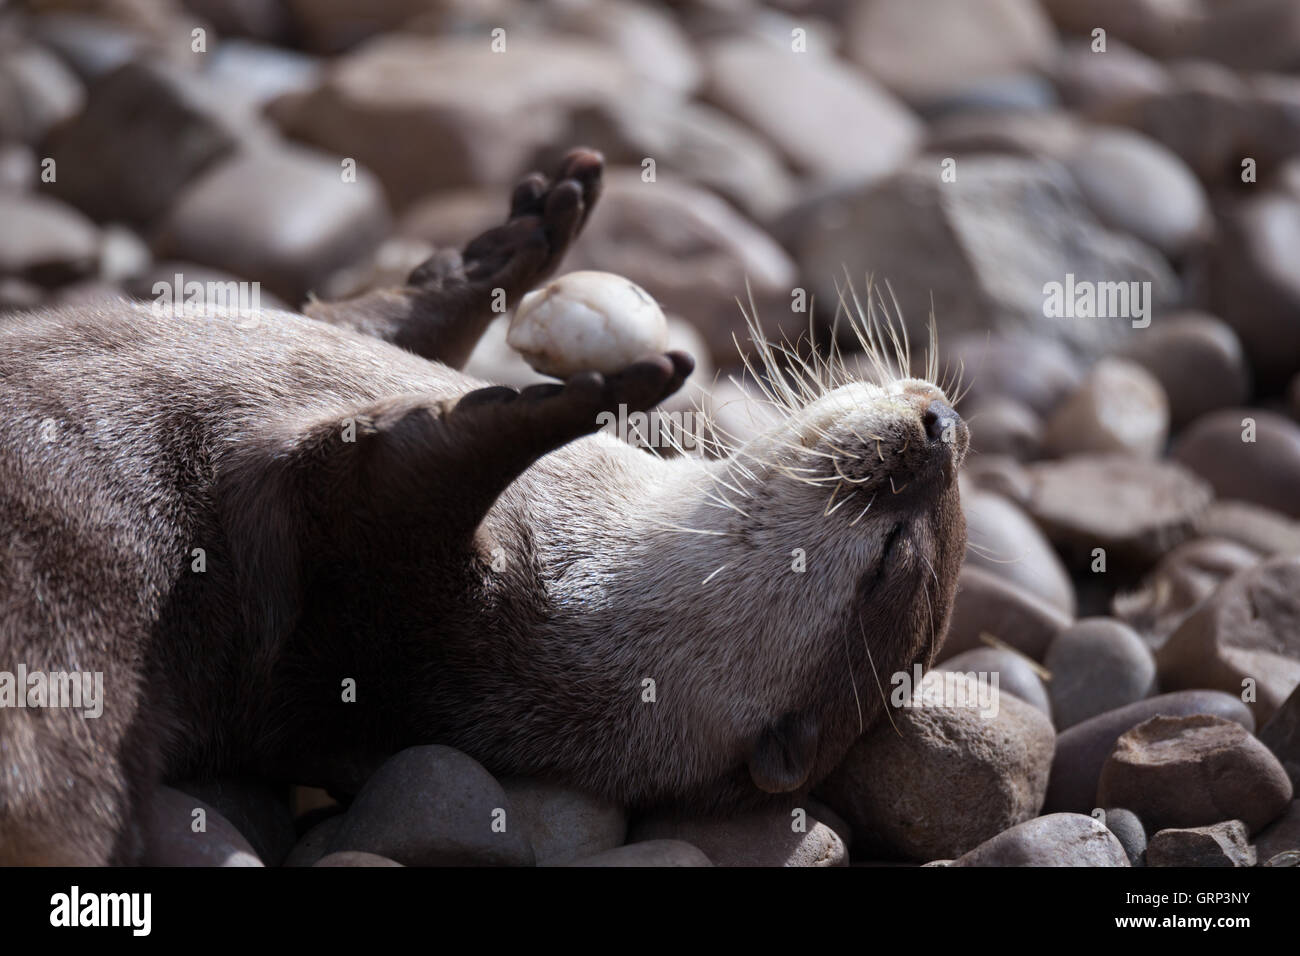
(1252,285)
(1251,526)
(1039,373)
(37,92)
(564,824)
(941,779)
(1136,510)
(1198,361)
(1219,844)
(283,216)
(433,806)
(1090,80)
(1004,541)
(1003,426)
(587,321)
(757,838)
(1282,835)
(1057,839)
(313,844)
(1016,673)
(1119,407)
(648,853)
(170,838)
(1138,186)
(1182,579)
(987,256)
(1129,831)
(258,810)
(463,114)
(986,603)
(1097,665)
(1282,735)
(354,858)
(1264,471)
(1246,631)
(858,132)
(1194,771)
(928,50)
(1082,749)
(148,129)
(45,242)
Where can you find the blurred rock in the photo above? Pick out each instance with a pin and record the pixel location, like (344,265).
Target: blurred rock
(827,121)
(1003,426)
(1248,454)
(1193,771)
(1057,839)
(929,49)
(147,129)
(256,73)
(1034,134)
(694,254)
(434,806)
(1254,285)
(940,779)
(18,170)
(976,250)
(1133,509)
(1016,673)
(257,809)
(1023,367)
(313,844)
(998,474)
(1129,831)
(122,254)
(563,824)
(45,242)
(643,36)
(1197,359)
(1282,835)
(987,603)
(757,838)
(1098,665)
(1119,407)
(1282,736)
(695,140)
(649,853)
(283,216)
(1199,116)
(1004,541)
(1259,34)
(1182,579)
(1220,844)
(463,114)
(354,858)
(1260,529)
(1245,636)
(37,92)
(1137,186)
(170,837)
(258,19)
(1090,80)
(1082,749)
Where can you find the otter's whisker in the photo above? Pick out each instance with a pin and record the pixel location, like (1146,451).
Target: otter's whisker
(711,576)
(896,490)
(864,512)
(884,700)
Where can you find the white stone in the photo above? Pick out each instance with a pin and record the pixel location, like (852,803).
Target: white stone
(587,321)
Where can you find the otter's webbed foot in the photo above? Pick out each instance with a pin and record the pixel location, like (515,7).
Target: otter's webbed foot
(448,300)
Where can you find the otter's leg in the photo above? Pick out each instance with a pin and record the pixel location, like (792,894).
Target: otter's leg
(409,464)
(447,302)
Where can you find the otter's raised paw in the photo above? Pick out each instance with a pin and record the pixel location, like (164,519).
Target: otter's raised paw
(545,217)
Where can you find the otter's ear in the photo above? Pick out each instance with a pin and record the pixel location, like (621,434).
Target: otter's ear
(783,756)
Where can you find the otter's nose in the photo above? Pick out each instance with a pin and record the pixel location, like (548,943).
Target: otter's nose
(941,422)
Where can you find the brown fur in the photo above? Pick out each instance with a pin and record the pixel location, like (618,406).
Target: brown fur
(374,559)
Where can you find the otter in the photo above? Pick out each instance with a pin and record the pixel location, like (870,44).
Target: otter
(233,517)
